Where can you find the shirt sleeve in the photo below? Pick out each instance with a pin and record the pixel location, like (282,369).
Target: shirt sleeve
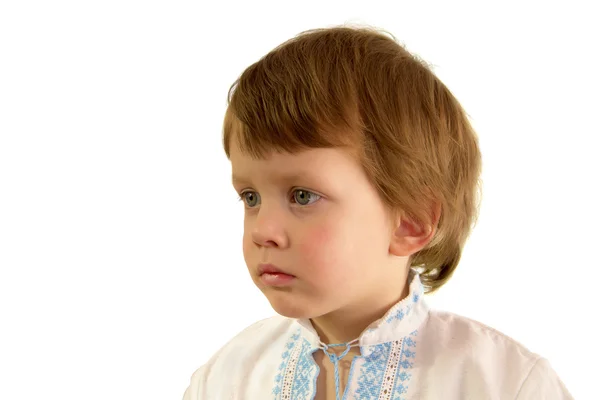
(543,383)
(197,387)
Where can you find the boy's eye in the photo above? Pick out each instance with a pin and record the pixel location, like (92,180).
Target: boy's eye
(302,197)
(249,198)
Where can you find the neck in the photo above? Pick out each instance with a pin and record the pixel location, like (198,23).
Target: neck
(348,323)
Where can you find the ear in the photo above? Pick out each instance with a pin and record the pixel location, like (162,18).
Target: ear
(411,236)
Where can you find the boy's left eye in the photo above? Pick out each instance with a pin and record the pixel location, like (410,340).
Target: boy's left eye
(303,197)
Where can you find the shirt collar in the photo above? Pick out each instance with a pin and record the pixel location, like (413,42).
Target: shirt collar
(400,320)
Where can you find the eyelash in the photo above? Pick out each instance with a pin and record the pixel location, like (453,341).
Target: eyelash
(242,194)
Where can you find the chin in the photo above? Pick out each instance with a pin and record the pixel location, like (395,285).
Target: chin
(289,307)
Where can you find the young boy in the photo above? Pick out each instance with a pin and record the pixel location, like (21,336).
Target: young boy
(359,173)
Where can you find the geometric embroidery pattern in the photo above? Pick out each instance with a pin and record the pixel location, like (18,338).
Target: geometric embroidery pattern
(297,368)
(386,372)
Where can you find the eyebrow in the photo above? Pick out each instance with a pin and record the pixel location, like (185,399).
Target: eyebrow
(237,179)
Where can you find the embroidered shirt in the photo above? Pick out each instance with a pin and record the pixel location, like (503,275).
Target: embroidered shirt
(412,352)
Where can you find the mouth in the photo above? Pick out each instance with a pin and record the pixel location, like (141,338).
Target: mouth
(270,269)
(271,275)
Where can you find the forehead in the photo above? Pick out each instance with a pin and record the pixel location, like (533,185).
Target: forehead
(282,166)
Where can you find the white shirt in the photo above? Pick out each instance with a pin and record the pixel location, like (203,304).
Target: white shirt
(412,352)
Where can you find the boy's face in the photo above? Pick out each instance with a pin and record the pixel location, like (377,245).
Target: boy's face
(315,216)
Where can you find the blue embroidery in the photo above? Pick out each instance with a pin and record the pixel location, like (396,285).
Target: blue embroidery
(372,371)
(399,316)
(402,376)
(409,340)
(282,367)
(305,369)
(300,372)
(402,311)
(374,368)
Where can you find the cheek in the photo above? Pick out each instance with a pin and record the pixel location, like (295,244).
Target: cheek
(247,242)
(246,246)
(321,245)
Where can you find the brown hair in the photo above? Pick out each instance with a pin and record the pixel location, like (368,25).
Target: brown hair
(356,87)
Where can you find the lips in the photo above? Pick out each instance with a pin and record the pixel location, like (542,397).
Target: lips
(272,276)
(270,269)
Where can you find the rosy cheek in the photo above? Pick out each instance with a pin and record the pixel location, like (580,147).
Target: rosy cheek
(317,247)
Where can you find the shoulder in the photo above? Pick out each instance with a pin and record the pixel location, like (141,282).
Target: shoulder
(453,330)
(486,354)
(237,356)
(256,336)
(543,382)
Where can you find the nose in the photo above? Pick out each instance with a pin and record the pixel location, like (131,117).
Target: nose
(268,229)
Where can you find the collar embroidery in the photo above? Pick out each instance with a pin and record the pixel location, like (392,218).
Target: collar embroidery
(384,368)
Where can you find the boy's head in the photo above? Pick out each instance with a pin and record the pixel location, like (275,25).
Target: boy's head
(354,162)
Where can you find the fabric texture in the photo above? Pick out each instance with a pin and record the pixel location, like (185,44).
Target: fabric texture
(412,352)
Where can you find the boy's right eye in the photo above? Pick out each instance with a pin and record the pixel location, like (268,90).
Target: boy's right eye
(249,198)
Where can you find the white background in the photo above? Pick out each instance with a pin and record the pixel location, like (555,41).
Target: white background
(120,235)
